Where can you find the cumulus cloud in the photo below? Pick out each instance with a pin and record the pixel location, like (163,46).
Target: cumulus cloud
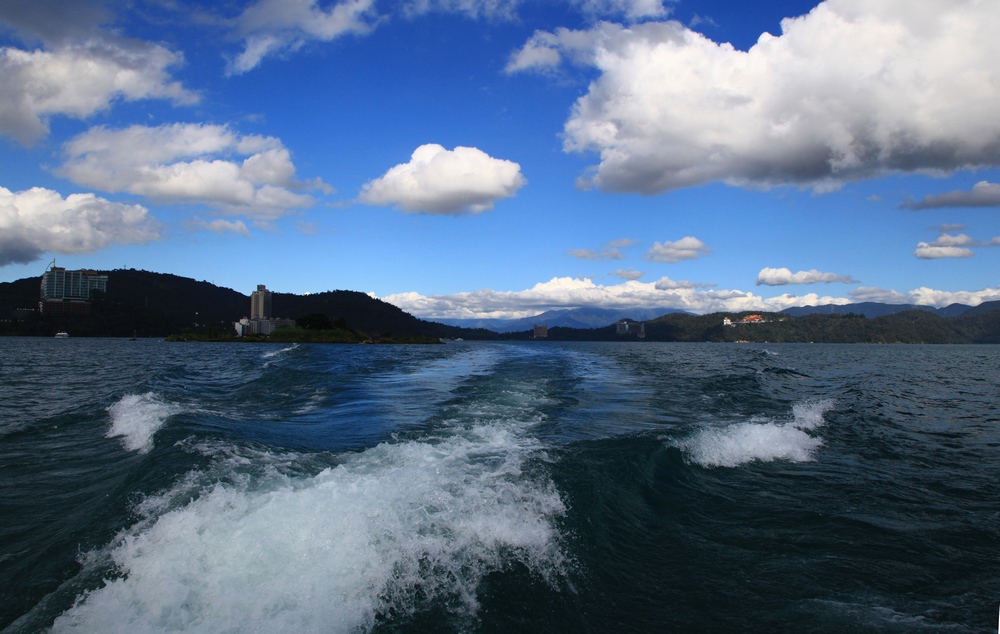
(80,80)
(924,296)
(983,194)
(667,284)
(631,10)
(54,21)
(687,248)
(629,274)
(439,181)
(191,163)
(545,52)
(494,9)
(610,251)
(273,27)
(217,226)
(38,221)
(779,277)
(269,28)
(947,228)
(566,292)
(849,91)
(951,246)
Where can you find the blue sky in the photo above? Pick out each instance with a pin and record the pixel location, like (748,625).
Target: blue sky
(499,158)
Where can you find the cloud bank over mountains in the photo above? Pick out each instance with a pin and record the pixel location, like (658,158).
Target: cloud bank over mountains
(566,292)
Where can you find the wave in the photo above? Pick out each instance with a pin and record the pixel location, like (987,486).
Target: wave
(385,533)
(274,353)
(136,417)
(764,441)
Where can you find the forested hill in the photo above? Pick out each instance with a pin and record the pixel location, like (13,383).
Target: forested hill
(159,304)
(914,326)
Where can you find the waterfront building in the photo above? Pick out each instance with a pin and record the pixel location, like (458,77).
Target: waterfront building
(65,291)
(260,303)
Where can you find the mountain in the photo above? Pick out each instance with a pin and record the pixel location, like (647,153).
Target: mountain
(159,304)
(565,318)
(868,309)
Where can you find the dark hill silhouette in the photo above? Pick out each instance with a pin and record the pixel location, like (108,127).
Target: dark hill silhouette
(159,304)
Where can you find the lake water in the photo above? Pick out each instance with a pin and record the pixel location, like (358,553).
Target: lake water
(498,487)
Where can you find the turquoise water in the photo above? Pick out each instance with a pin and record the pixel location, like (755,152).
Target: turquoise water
(498,487)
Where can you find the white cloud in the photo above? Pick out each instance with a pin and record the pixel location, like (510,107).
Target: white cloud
(439,181)
(631,10)
(191,163)
(273,27)
(947,228)
(277,27)
(610,251)
(983,194)
(687,248)
(38,221)
(566,292)
(924,296)
(949,246)
(852,90)
(217,226)
(779,277)
(79,81)
(545,52)
(493,9)
(629,274)
(667,284)
(926,251)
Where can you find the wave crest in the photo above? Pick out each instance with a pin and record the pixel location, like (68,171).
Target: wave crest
(740,443)
(136,417)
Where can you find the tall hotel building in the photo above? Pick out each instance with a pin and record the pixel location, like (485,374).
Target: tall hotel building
(69,291)
(260,303)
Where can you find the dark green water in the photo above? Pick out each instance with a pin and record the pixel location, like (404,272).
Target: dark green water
(543,487)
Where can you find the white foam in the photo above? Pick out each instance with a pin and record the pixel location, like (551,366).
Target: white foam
(328,553)
(136,417)
(766,441)
(274,353)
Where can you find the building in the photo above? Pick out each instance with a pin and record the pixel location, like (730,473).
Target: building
(540,331)
(260,326)
(260,321)
(629,327)
(749,319)
(260,303)
(65,291)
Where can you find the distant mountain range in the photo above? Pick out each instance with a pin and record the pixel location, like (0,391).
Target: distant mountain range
(586,318)
(875,309)
(147,304)
(565,318)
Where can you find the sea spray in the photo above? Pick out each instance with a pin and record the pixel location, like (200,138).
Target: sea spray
(136,417)
(762,440)
(385,531)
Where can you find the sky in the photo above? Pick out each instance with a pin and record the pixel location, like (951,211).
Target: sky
(501,158)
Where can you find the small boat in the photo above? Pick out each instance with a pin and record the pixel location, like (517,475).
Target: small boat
(62,334)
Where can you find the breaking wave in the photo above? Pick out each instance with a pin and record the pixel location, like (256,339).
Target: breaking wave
(136,417)
(764,441)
